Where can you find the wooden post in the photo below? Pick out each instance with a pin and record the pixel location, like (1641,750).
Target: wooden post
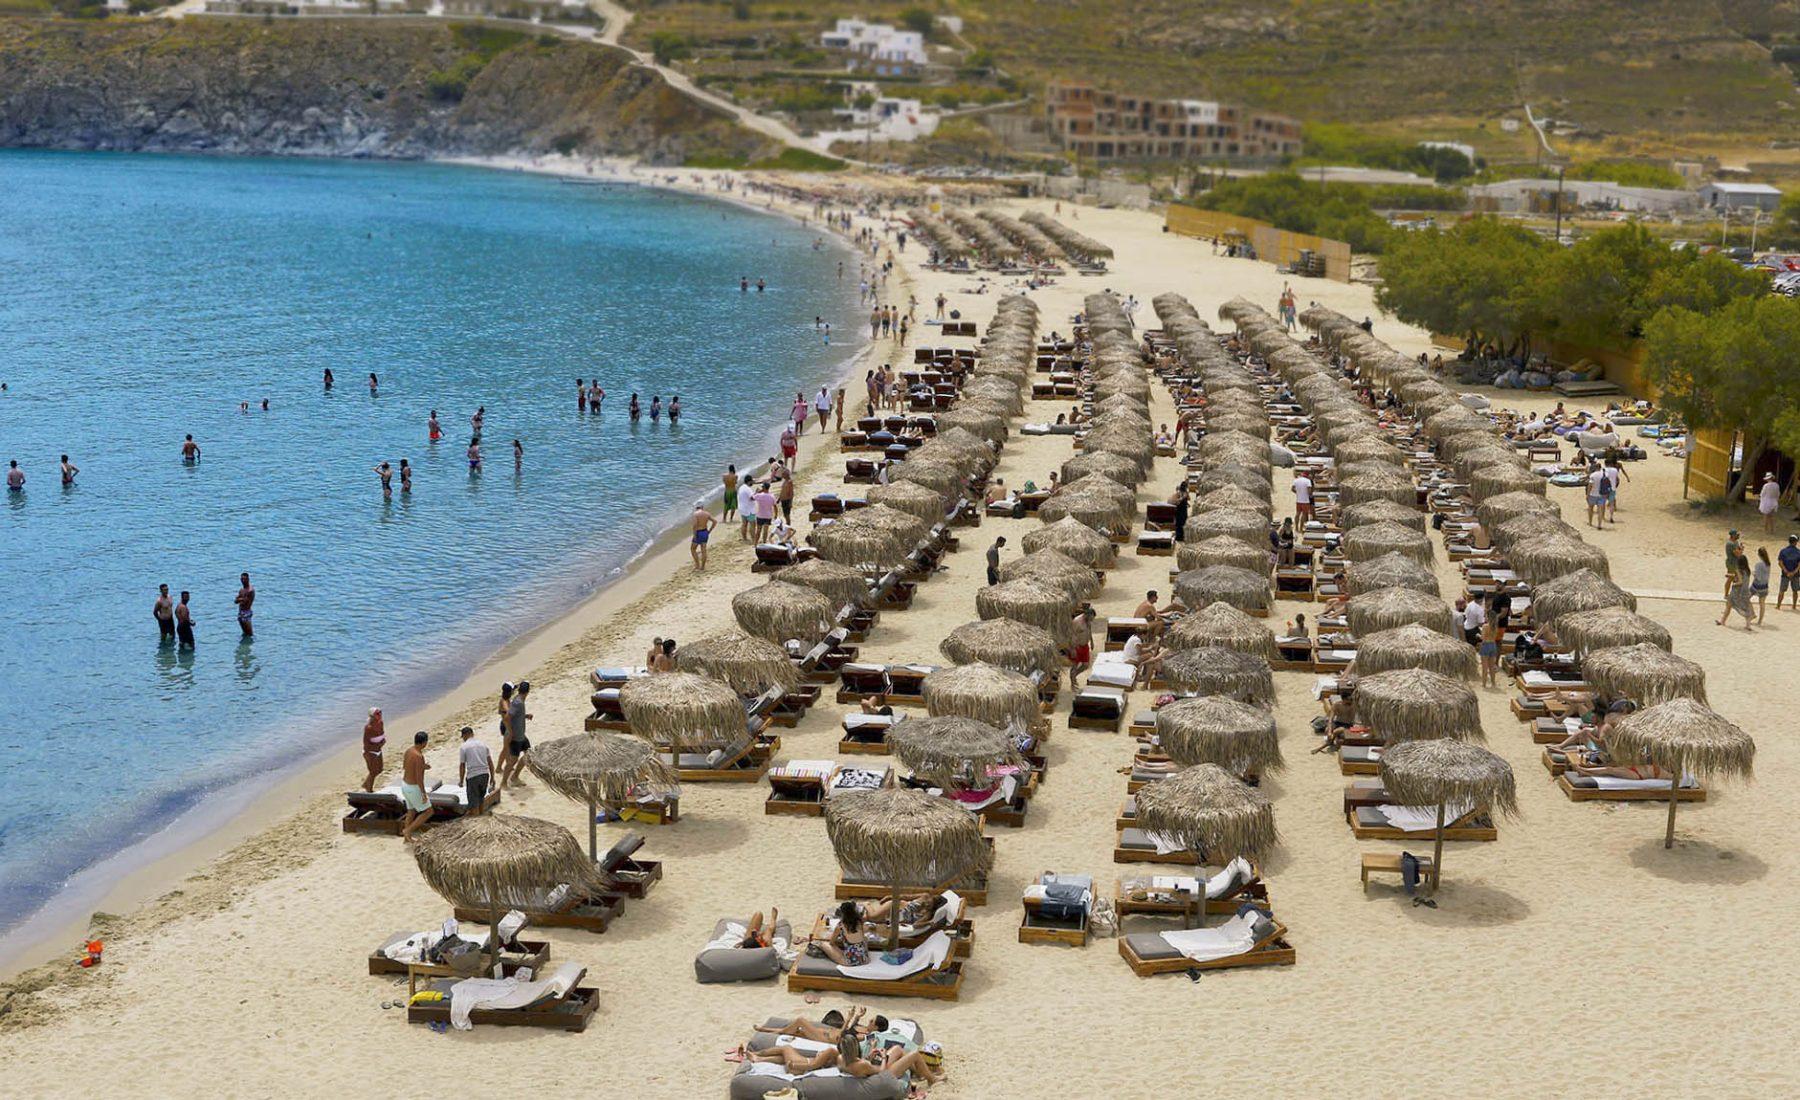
(593,830)
(894,918)
(1437,851)
(1674,788)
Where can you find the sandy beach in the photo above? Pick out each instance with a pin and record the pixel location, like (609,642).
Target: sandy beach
(1574,955)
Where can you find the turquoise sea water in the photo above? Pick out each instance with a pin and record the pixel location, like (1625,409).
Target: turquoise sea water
(145,298)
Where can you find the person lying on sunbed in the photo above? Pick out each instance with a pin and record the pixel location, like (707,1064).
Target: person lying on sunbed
(914,910)
(831,1026)
(1617,771)
(757,933)
(847,944)
(848,1056)
(877,704)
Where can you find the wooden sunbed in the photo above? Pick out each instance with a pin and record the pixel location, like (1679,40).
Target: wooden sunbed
(813,974)
(1366,824)
(1035,926)
(1636,794)
(633,876)
(527,953)
(385,814)
(594,913)
(962,931)
(1135,852)
(1097,708)
(1149,953)
(1125,905)
(570,1012)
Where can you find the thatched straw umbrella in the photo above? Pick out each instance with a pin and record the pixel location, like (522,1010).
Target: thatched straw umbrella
(1239,422)
(1217,671)
(1610,627)
(1220,624)
(600,769)
(1092,502)
(1223,550)
(1211,729)
(1531,525)
(1030,600)
(872,538)
(984,425)
(1683,737)
(994,695)
(840,584)
(1582,590)
(1251,479)
(953,752)
(943,475)
(1550,556)
(777,611)
(1233,499)
(906,837)
(1490,481)
(1233,446)
(912,497)
(1416,704)
(1238,523)
(1389,608)
(1208,810)
(1447,773)
(1389,571)
(1074,540)
(1372,540)
(1495,510)
(1007,643)
(1360,488)
(1121,469)
(749,665)
(1381,511)
(1245,589)
(1414,646)
(1644,673)
(683,711)
(1054,568)
(499,861)
(1369,449)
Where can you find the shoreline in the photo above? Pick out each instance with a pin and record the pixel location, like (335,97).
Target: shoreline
(127,882)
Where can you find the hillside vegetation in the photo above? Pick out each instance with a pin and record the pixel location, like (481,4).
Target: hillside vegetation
(328,88)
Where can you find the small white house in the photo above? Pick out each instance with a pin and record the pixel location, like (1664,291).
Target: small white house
(1740,196)
(878,47)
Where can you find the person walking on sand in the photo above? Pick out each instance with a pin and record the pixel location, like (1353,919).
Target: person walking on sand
(822,406)
(765,511)
(993,560)
(1759,583)
(1733,550)
(1489,651)
(785,496)
(1768,499)
(386,474)
(474,770)
(1303,498)
(1789,559)
(374,736)
(840,408)
(1598,493)
(790,443)
(184,623)
(163,610)
(797,414)
(1737,598)
(517,744)
(245,600)
(412,787)
(703,523)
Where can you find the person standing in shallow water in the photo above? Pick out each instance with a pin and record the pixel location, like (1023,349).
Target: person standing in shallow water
(655,406)
(246,598)
(405,477)
(433,430)
(634,409)
(674,410)
(184,623)
(386,474)
(163,610)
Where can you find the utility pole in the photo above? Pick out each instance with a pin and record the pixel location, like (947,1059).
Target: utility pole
(1724,225)
(1755,219)
(1559,202)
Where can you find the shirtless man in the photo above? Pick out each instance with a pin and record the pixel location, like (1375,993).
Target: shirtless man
(190,451)
(1081,639)
(412,787)
(164,612)
(703,529)
(69,470)
(184,623)
(386,474)
(433,430)
(245,598)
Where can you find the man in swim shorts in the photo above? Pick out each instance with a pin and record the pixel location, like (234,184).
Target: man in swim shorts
(164,611)
(245,598)
(412,787)
(703,528)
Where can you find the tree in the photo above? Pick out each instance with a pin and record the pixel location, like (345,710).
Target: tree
(918,19)
(1702,281)
(1785,230)
(1476,280)
(1736,369)
(667,47)
(1596,290)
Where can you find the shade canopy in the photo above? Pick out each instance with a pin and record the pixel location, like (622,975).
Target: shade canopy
(1610,627)
(750,666)
(1006,643)
(994,695)
(1582,590)
(1220,624)
(1210,811)
(954,751)
(1381,511)
(1212,729)
(1386,608)
(1054,568)
(1223,550)
(1242,524)
(1550,556)
(1123,470)
(778,611)
(1417,705)
(1031,600)
(1644,673)
(1389,571)
(684,712)
(1217,671)
(840,584)
(1498,509)
(502,861)
(1372,540)
(912,497)
(600,767)
(1241,588)
(1074,540)
(1414,646)
(905,836)
(1683,736)
(1444,774)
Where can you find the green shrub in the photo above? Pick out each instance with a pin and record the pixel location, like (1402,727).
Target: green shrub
(801,160)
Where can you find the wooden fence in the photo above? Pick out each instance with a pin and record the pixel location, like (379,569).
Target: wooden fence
(1277,246)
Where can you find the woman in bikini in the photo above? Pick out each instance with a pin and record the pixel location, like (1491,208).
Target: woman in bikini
(848,943)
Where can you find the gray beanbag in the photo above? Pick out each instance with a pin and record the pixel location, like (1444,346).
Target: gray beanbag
(748,1086)
(740,964)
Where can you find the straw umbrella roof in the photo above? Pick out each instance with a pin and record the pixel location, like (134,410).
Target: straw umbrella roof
(1217,671)
(1610,627)
(1370,468)
(1031,600)
(1360,488)
(1238,523)
(992,694)
(1238,422)
(1414,646)
(987,425)
(498,861)
(1547,557)
(1684,737)
(1531,525)
(1369,449)
(1644,673)
(1495,510)
(1372,540)
(1222,550)
(1123,470)
(749,665)
(1209,810)
(1251,479)
(1416,704)
(1055,568)
(1233,499)
(1389,571)
(1074,540)
(913,497)
(1007,643)
(684,711)
(1493,480)
(778,611)
(1090,501)
(1442,772)
(1211,729)
(600,766)
(1245,589)
(952,749)
(905,836)
(838,583)
(1381,511)
(943,474)
(1387,608)
(1220,624)
(1582,590)
(1226,446)
(871,538)
(1502,466)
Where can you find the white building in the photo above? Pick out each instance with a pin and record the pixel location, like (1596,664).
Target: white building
(878,47)
(887,119)
(1523,195)
(1468,151)
(1740,196)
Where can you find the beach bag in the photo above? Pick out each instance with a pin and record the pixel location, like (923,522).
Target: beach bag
(897,958)
(1103,919)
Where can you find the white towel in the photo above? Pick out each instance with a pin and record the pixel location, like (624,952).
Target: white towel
(1614,783)
(503,993)
(1238,870)
(1112,673)
(770,1069)
(803,1045)
(1421,819)
(1234,937)
(926,956)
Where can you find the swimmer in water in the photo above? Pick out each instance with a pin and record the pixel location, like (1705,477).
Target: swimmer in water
(518,454)
(405,476)
(328,379)
(581,395)
(190,451)
(386,473)
(674,408)
(432,429)
(655,406)
(475,421)
(634,408)
(596,396)
(243,406)
(15,477)
(374,383)
(265,404)
(69,470)
(245,598)
(475,456)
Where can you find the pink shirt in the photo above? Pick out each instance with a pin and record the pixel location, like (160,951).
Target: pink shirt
(765,505)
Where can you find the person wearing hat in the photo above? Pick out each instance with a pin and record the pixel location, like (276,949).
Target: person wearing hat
(1768,498)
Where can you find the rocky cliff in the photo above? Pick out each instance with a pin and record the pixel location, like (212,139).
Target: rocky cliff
(341,88)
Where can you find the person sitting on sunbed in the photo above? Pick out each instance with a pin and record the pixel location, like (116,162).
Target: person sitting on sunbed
(1144,655)
(662,659)
(1340,716)
(781,533)
(996,492)
(847,945)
